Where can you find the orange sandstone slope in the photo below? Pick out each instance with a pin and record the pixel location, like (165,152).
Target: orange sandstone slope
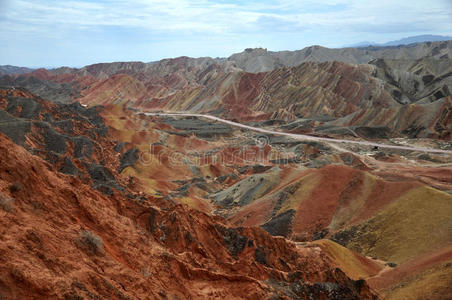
(62,239)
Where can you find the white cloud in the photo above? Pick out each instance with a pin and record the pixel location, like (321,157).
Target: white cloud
(213,24)
(210,16)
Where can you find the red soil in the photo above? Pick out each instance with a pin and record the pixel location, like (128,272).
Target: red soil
(140,251)
(318,209)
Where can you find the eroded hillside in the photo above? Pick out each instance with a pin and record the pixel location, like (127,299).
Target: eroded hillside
(99,198)
(63,239)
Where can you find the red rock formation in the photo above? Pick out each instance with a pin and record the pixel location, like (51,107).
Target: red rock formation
(60,238)
(352,95)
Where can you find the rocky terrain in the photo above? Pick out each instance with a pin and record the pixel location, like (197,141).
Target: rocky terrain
(325,96)
(63,239)
(101,200)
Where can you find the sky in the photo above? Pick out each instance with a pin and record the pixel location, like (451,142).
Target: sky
(53,33)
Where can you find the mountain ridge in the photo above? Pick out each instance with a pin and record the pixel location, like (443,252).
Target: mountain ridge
(404,41)
(376,94)
(279,58)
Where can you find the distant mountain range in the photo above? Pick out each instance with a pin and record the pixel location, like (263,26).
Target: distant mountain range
(255,60)
(292,58)
(404,41)
(261,60)
(354,86)
(8,69)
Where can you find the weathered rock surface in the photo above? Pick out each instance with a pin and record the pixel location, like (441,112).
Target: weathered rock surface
(62,239)
(337,88)
(69,136)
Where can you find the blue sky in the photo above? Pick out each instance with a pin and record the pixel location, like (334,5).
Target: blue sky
(54,33)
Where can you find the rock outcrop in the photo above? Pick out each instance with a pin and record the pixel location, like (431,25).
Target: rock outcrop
(62,239)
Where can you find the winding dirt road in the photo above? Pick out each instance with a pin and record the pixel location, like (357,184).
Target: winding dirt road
(298,136)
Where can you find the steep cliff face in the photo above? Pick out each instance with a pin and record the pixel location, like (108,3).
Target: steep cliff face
(62,239)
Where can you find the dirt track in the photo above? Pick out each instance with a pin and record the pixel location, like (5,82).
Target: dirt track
(301,136)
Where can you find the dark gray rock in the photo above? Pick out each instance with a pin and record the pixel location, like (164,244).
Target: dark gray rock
(29,108)
(256,169)
(318,163)
(286,161)
(373,132)
(120,146)
(105,189)
(317,145)
(68,167)
(282,140)
(234,241)
(350,234)
(265,123)
(83,147)
(53,91)
(301,124)
(391,264)
(320,234)
(280,224)
(260,256)
(348,158)
(413,130)
(53,140)
(128,159)
(332,290)
(14,128)
(66,125)
(223,178)
(100,173)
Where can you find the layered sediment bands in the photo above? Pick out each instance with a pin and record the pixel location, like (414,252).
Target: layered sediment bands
(401,241)
(340,88)
(117,203)
(427,276)
(376,92)
(432,120)
(72,138)
(348,95)
(354,208)
(62,239)
(423,80)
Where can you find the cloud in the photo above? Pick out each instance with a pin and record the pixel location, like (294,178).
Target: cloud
(219,16)
(214,16)
(227,25)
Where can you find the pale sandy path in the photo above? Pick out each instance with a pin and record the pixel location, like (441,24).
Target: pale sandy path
(297,136)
